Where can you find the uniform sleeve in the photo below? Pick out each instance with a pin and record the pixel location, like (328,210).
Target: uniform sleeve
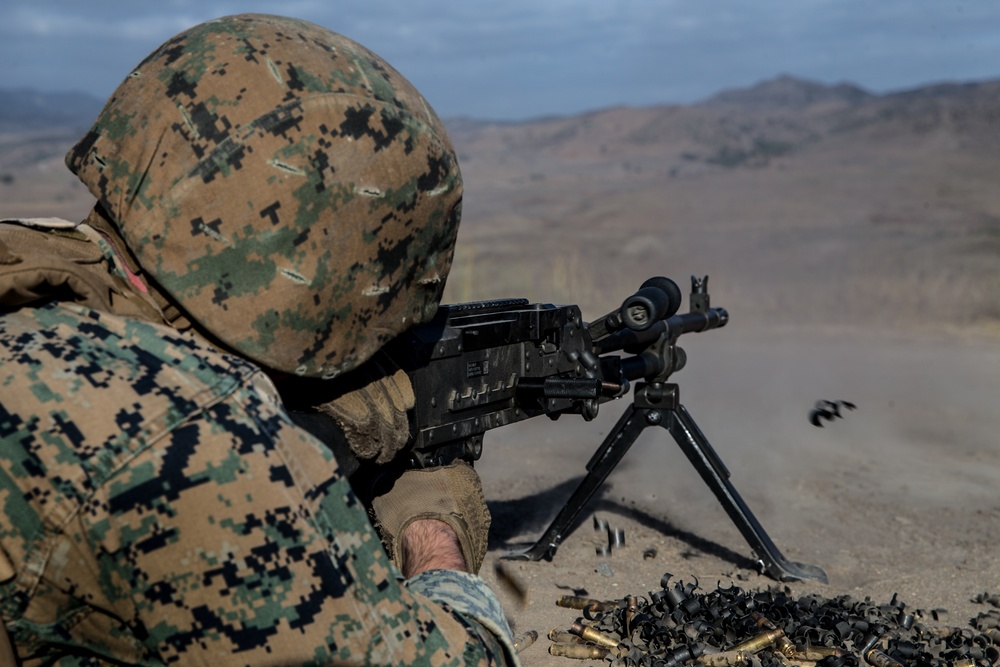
(470,597)
(260,550)
(165,510)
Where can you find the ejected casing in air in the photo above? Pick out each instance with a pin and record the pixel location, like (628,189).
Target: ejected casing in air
(760,642)
(594,635)
(579,651)
(725,659)
(575,602)
(509,580)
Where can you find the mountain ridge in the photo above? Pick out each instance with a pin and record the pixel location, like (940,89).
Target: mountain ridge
(29,109)
(836,207)
(748,126)
(23,109)
(789,92)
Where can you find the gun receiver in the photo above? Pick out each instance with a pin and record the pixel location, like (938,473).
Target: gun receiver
(479,366)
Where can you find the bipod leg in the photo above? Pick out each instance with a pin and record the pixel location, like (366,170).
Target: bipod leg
(604,460)
(708,464)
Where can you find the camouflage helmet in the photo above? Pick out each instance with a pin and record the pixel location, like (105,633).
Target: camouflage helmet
(292,192)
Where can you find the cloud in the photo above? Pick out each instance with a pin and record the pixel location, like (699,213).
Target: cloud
(524,58)
(77,21)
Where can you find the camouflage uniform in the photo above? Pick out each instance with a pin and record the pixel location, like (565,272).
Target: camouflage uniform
(158,505)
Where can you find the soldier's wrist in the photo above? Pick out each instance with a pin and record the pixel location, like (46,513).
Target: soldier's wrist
(429,544)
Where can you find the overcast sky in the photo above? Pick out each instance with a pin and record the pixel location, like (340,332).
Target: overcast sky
(520,59)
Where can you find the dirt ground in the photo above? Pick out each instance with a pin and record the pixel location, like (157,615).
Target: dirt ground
(859,270)
(832,265)
(898,497)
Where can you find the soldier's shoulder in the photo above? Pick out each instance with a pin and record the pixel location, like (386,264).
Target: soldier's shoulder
(89,381)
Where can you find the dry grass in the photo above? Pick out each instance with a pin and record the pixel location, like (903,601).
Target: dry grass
(897,234)
(858,267)
(894,225)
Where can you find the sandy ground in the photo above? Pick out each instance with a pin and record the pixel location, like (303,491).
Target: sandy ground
(900,496)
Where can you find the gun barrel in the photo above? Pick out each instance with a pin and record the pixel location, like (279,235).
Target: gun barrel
(692,322)
(674,326)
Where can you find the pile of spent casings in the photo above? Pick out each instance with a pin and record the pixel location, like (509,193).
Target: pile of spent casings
(733,627)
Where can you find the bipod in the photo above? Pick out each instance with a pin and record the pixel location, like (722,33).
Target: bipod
(659,405)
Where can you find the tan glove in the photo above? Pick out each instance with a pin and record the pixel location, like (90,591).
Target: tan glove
(452,494)
(372,413)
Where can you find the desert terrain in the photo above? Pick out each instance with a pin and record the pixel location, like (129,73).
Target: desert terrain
(854,240)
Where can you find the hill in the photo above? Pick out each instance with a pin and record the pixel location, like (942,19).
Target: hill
(810,205)
(25,109)
(745,126)
(854,239)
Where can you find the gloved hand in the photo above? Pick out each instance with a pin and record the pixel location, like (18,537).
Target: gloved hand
(452,494)
(372,414)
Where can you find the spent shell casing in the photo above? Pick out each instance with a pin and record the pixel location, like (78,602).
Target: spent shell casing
(564,637)
(967,662)
(725,659)
(593,635)
(877,658)
(994,636)
(576,602)
(525,640)
(631,609)
(817,653)
(579,651)
(759,642)
(941,631)
(870,641)
(784,645)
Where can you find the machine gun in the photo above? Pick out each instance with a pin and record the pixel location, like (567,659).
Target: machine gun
(479,366)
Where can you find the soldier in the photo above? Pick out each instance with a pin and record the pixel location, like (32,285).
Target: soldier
(274,203)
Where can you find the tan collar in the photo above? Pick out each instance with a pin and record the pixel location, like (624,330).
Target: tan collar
(124,261)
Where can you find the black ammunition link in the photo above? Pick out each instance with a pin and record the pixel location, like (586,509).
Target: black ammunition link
(679,625)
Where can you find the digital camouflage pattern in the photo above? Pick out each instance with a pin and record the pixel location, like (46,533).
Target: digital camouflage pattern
(159,507)
(299,200)
(288,188)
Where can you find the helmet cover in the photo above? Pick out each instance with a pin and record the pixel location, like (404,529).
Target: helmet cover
(290,190)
